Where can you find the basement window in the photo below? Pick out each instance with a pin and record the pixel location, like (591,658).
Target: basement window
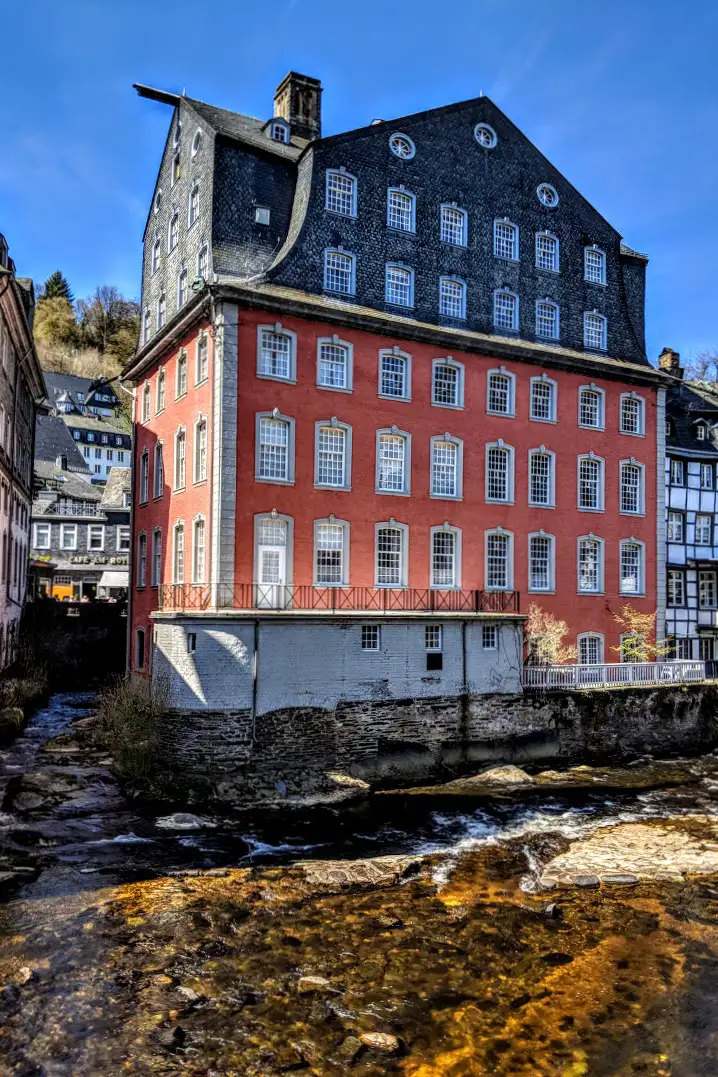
(432,641)
(191,642)
(370,638)
(489,638)
(261,214)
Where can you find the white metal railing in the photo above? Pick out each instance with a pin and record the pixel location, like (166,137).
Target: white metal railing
(613,674)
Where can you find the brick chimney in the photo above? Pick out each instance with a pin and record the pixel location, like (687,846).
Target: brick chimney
(298,100)
(670,361)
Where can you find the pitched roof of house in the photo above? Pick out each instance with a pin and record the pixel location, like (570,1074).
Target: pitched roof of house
(246,129)
(93,422)
(64,387)
(118,484)
(686,402)
(53,439)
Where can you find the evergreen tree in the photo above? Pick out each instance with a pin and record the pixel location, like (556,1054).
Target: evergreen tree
(56,287)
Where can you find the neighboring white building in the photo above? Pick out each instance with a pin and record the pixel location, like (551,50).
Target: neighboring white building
(102,442)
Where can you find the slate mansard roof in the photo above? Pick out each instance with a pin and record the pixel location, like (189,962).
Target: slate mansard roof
(53,439)
(68,386)
(238,167)
(686,404)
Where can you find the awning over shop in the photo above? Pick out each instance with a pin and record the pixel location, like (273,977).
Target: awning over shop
(118,578)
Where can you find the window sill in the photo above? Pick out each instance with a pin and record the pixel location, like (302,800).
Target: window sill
(158,497)
(275,482)
(390,396)
(340,215)
(585,426)
(334,388)
(447,244)
(181,396)
(534,419)
(632,594)
(599,283)
(338,295)
(202,381)
(502,414)
(636,515)
(390,587)
(178,489)
(630,434)
(505,258)
(498,501)
(541,505)
(393,493)
(581,508)
(451,407)
(401,231)
(541,590)
(328,586)
(199,482)
(328,486)
(276,377)
(446,497)
(590,594)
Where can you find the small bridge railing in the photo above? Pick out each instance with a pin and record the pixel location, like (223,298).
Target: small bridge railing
(613,674)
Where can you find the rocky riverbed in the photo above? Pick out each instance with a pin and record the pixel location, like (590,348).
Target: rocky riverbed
(563,923)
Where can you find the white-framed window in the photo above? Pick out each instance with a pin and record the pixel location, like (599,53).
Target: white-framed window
(201,366)
(158,483)
(594,265)
(542,477)
(590,565)
(400,210)
(334,363)
(506,240)
(547,195)
(501,392)
(542,562)
(631,572)
(172,231)
(181,379)
(161,310)
(707,476)
(41,537)
(677,472)
(196,142)
(433,638)
(704,529)
(594,331)
(140,646)
(273,552)
(590,649)
(446,461)
(547,248)
(142,559)
(274,453)
(262,215)
(682,649)
(331,553)
(182,280)
(485,136)
(632,414)
(203,261)
(176,168)
(489,637)
(543,399)
(279,131)
(499,572)
(276,353)
(160,393)
(393,461)
(339,272)
(96,537)
(156,255)
(402,146)
(144,477)
(395,374)
(676,587)
(676,526)
(591,483)
(707,589)
(200,450)
(447,383)
(452,298)
(591,407)
(499,472)
(506,310)
(178,553)
(391,554)
(146,398)
(399,286)
(180,476)
(146,326)
(198,550)
(631,486)
(454,226)
(548,321)
(370,637)
(156,560)
(68,536)
(193,205)
(341,193)
(701,432)
(445,568)
(123,538)
(332,460)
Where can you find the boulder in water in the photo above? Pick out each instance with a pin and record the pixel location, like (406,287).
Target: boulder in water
(181,820)
(380,871)
(381,1041)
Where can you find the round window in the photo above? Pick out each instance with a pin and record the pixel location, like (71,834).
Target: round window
(547,195)
(158,201)
(196,142)
(485,136)
(402,146)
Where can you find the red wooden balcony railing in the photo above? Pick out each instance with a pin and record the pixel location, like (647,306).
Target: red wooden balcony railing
(254,596)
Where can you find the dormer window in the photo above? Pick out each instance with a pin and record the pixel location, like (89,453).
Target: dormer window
(701,432)
(279,131)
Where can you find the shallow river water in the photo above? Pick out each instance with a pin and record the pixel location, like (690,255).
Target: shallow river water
(163,942)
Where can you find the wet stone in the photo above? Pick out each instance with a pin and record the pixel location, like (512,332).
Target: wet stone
(381,1041)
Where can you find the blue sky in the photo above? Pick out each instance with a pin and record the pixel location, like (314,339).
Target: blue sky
(622,96)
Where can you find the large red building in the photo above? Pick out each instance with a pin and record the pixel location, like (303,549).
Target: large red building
(401,368)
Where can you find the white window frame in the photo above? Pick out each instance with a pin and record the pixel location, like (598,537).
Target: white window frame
(637,398)
(146,402)
(511,413)
(144,481)
(584,636)
(182,286)
(123,538)
(204,249)
(196,457)
(412,209)
(461,316)
(509,499)
(192,219)
(451,207)
(510,559)
(675,516)
(180,432)
(402,269)
(701,528)
(290,423)
(90,529)
(37,529)
(601,507)
(161,310)
(677,471)
(449,439)
(157,472)
(371,637)
(196,142)
(601,565)
(641,511)
(181,362)
(335,424)
(202,338)
(504,221)
(396,353)
(343,174)
(155,567)
(404,553)
(709,576)
(394,431)
(551,456)
(173,232)
(513,328)
(546,302)
(351,258)
(160,392)
(71,530)
(141,578)
(603,346)
(551,563)
(448,361)
(279,131)
(673,576)
(545,234)
(445,529)
(593,249)
(641,546)
(179,526)
(332,521)
(291,336)
(708,469)
(337,342)
(196,578)
(146,326)
(156,255)
(289,563)
(543,379)
(601,393)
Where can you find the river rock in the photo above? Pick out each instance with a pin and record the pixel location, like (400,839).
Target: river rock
(28,802)
(309,985)
(183,821)
(381,1041)
(378,872)
(349,1049)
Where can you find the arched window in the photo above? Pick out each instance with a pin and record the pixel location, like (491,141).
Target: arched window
(454,225)
(178,553)
(161,310)
(499,571)
(334,363)
(202,364)
(393,461)
(144,477)
(590,483)
(341,193)
(182,280)
(156,254)
(399,286)
(594,331)
(400,210)
(276,352)
(180,477)
(500,392)
(445,567)
(332,459)
(279,131)
(181,379)
(391,560)
(594,265)
(506,310)
(193,206)
(631,483)
(196,142)
(146,395)
(542,477)
(160,394)
(542,567)
(203,261)
(198,550)
(274,455)
(547,251)
(452,298)
(499,472)
(631,567)
(395,374)
(547,319)
(142,559)
(158,487)
(590,565)
(543,399)
(172,231)
(632,415)
(591,407)
(146,327)
(331,553)
(506,240)
(339,272)
(447,383)
(590,649)
(200,450)
(446,461)
(156,569)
